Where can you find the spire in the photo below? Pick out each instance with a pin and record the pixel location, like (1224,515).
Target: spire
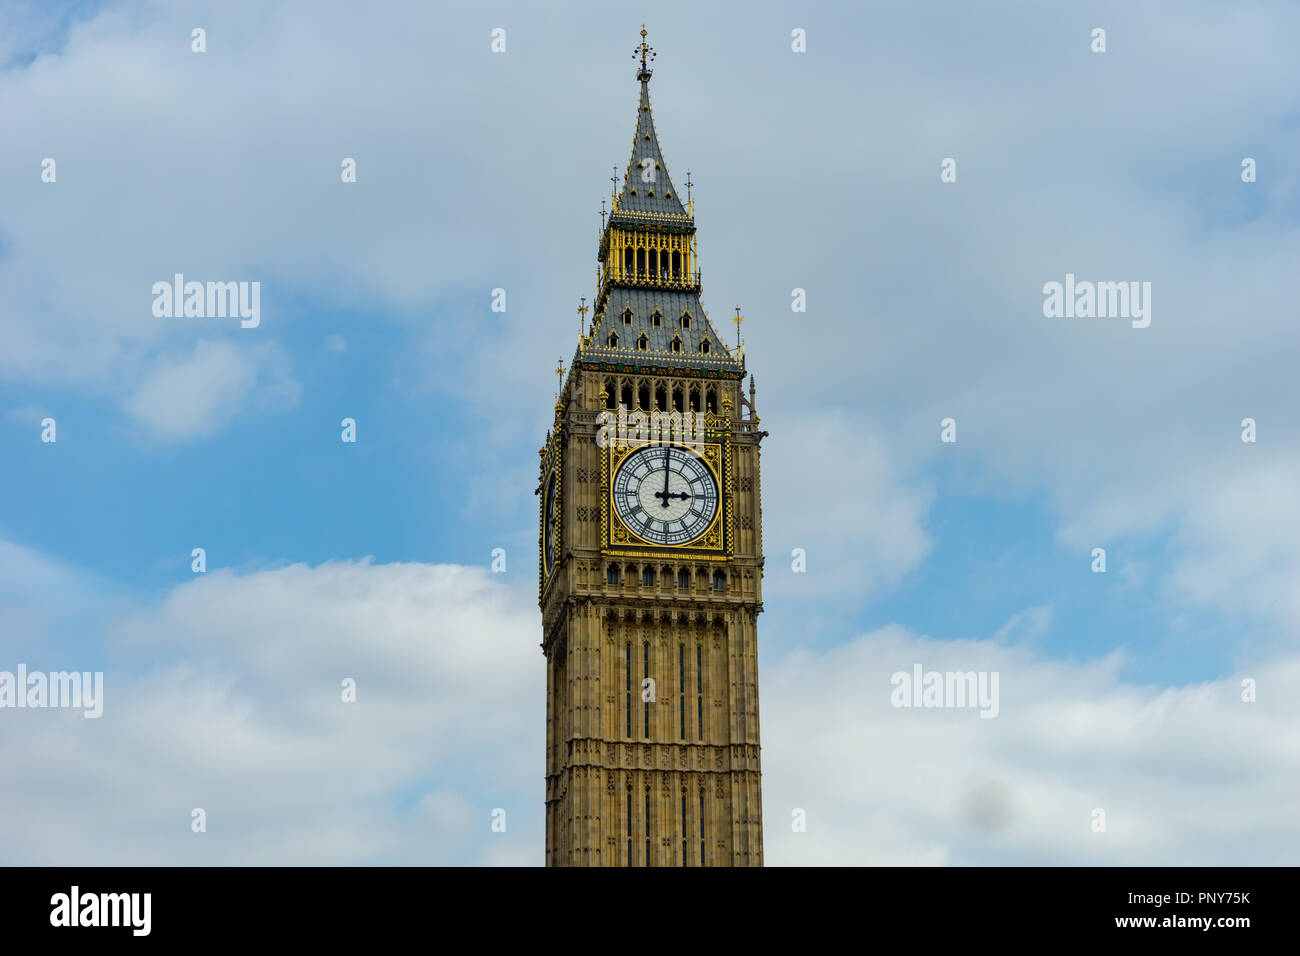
(647,307)
(647,187)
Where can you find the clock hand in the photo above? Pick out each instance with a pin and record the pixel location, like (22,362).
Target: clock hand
(665,495)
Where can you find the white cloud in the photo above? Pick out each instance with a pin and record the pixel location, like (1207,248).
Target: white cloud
(183,396)
(1185,775)
(238,711)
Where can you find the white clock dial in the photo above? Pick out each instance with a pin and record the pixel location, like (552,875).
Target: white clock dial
(665,494)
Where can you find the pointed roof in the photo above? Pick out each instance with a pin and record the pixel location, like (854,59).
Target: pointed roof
(647,187)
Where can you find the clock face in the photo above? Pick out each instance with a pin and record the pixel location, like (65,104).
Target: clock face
(549,544)
(666,495)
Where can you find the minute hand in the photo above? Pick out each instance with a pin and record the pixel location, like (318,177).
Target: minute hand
(665,494)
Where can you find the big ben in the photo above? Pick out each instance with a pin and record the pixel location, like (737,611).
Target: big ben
(651,559)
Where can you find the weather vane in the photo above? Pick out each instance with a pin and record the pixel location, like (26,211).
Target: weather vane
(643,50)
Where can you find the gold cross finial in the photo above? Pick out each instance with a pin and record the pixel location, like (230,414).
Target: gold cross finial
(644,50)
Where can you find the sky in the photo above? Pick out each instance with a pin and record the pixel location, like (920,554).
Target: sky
(819,170)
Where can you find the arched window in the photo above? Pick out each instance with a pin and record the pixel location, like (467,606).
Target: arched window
(643,343)
(711,399)
(643,396)
(657,319)
(661,398)
(686,320)
(677,400)
(684,862)
(613,340)
(704,347)
(611,574)
(627,316)
(719,581)
(683,578)
(695,399)
(611,391)
(681,721)
(699,722)
(645,673)
(648,576)
(677,343)
(647,821)
(627,692)
(627,395)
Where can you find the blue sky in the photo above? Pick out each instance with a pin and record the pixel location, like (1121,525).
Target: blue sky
(817,171)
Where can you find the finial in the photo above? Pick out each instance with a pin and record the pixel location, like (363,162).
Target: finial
(559,375)
(738,319)
(614,179)
(582,316)
(602,215)
(643,50)
(688,187)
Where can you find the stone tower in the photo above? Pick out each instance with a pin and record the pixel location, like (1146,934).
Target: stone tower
(651,559)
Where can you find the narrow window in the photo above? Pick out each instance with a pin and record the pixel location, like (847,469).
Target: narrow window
(677,264)
(627,260)
(627,317)
(704,347)
(661,398)
(678,405)
(610,388)
(627,691)
(611,574)
(699,690)
(643,393)
(640,262)
(627,395)
(719,581)
(648,577)
(677,343)
(686,320)
(695,399)
(711,398)
(684,862)
(613,342)
(643,343)
(681,689)
(629,825)
(647,826)
(683,578)
(657,319)
(701,828)
(645,672)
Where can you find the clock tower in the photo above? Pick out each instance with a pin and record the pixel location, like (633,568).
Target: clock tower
(651,555)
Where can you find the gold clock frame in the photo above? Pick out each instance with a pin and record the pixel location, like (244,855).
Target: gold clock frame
(715,544)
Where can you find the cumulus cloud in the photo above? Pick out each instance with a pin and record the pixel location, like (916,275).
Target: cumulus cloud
(226,696)
(1185,775)
(187,395)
